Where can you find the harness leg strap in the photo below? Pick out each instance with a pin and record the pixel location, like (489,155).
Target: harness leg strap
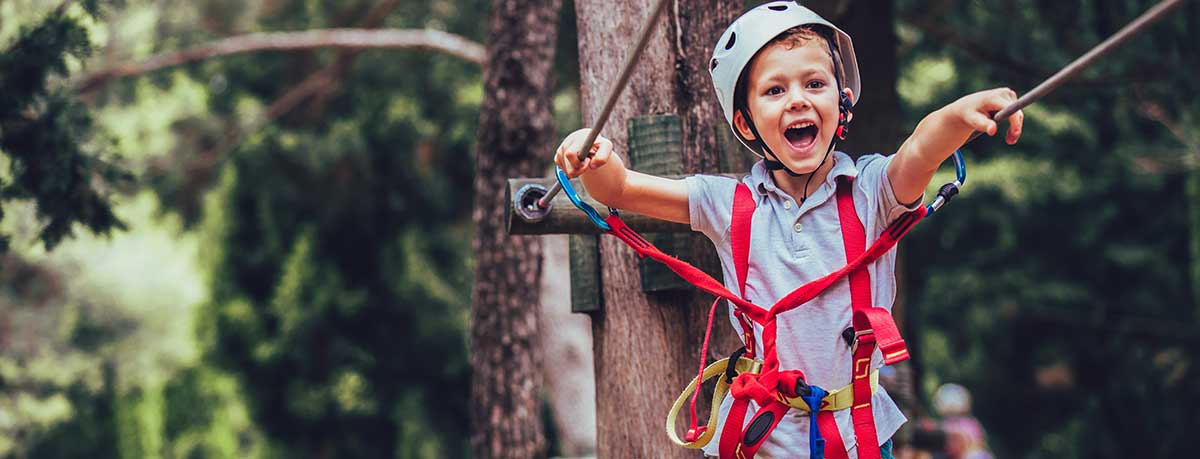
(834,447)
(755,434)
(862,414)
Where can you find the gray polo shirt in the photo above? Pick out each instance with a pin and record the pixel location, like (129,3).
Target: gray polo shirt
(792,244)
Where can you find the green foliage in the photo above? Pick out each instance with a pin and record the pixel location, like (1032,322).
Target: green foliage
(1058,286)
(339,241)
(337,245)
(44,132)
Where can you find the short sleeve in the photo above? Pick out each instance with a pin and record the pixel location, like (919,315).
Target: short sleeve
(710,204)
(873,178)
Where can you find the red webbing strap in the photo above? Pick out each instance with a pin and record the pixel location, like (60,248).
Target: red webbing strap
(739,232)
(886,241)
(884,332)
(801,295)
(861,413)
(689,273)
(731,433)
(739,243)
(834,447)
(764,422)
(854,238)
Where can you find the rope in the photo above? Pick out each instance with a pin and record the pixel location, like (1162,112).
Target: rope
(1149,17)
(614,93)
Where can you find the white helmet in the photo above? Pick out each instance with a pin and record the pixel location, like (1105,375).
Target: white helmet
(753,30)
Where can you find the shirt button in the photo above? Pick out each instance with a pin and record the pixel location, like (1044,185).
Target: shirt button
(798,227)
(787,205)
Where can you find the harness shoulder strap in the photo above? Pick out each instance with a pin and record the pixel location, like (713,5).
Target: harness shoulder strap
(854,238)
(739,243)
(739,232)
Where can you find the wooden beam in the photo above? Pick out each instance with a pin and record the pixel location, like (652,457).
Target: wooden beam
(564,218)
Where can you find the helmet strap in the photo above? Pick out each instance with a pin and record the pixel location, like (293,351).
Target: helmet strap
(769,158)
(773,163)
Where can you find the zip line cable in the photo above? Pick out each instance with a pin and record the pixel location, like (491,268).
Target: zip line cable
(631,59)
(1149,17)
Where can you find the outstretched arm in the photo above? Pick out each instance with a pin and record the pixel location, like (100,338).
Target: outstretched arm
(610,182)
(943,131)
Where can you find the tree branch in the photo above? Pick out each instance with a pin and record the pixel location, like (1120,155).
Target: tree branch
(433,40)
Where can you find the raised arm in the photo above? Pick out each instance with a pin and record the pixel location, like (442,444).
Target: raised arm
(610,182)
(941,132)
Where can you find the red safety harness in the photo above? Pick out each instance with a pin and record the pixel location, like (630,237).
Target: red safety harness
(873,327)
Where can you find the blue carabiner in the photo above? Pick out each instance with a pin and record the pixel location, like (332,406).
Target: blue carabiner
(570,190)
(949,190)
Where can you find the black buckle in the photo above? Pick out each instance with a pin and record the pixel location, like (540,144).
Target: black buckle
(731,367)
(848,335)
(802,388)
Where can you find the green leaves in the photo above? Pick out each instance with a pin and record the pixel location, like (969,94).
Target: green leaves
(48,135)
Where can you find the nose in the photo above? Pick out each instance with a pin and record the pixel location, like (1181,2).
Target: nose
(798,101)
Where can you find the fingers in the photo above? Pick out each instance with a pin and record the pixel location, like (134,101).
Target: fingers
(1000,99)
(1016,122)
(568,154)
(980,121)
(602,150)
(981,117)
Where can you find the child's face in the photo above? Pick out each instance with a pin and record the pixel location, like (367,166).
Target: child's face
(793,101)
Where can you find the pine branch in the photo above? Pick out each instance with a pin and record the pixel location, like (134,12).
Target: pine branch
(433,40)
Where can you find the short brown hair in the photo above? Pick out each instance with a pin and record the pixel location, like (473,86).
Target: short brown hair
(797,36)
(790,38)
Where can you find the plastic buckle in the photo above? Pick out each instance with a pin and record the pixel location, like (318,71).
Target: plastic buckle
(802,389)
(574,197)
(848,336)
(694,433)
(731,365)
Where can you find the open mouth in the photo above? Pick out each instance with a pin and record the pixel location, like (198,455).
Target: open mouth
(801,136)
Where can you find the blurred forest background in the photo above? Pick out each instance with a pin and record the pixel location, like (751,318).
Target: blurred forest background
(268,254)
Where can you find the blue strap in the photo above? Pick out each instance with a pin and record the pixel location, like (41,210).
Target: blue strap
(816,444)
(570,190)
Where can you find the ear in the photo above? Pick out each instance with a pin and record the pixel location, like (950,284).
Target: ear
(742,126)
(850,95)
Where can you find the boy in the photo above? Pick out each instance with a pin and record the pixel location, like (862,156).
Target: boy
(786,80)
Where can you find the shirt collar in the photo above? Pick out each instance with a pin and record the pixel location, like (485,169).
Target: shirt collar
(760,178)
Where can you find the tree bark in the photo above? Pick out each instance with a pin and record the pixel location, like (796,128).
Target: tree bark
(515,132)
(646,346)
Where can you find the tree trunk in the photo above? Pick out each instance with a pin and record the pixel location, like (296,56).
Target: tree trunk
(567,347)
(515,133)
(646,346)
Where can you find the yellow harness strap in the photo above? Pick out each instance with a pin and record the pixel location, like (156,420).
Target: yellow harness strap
(836,400)
(716,369)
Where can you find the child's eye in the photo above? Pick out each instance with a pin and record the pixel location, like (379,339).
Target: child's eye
(774,91)
(816,84)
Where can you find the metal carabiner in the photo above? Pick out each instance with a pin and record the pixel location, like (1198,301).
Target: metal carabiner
(574,197)
(949,190)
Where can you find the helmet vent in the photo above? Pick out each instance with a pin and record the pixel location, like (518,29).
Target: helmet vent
(732,39)
(713,66)
(778,7)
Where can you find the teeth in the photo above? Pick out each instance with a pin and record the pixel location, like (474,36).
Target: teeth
(800,125)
